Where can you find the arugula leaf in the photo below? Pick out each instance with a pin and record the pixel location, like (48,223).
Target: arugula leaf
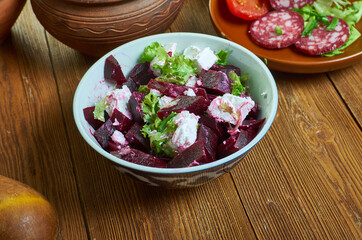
(222,57)
(237,84)
(153,50)
(99,109)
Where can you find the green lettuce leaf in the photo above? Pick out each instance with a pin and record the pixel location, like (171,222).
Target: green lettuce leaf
(159,133)
(99,109)
(222,57)
(351,13)
(238,82)
(177,69)
(153,50)
(150,107)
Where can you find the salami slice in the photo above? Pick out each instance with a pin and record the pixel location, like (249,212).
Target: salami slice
(263,30)
(322,41)
(289,4)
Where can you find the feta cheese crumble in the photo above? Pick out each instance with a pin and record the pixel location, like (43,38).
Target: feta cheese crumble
(186,133)
(119,138)
(118,99)
(205,59)
(164,101)
(230,108)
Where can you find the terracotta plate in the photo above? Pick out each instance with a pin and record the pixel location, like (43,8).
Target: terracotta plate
(287,59)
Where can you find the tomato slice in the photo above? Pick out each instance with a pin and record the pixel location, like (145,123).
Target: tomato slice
(248,9)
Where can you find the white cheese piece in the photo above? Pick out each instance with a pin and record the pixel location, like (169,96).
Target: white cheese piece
(156,61)
(190,92)
(119,138)
(192,81)
(171,48)
(118,99)
(230,108)
(191,52)
(164,101)
(186,133)
(205,59)
(155,92)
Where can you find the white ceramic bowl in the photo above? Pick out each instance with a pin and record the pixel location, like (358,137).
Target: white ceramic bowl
(262,88)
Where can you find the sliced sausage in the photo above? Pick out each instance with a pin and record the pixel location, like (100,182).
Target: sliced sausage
(322,41)
(289,4)
(263,30)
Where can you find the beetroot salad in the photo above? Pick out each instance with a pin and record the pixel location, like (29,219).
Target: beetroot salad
(174,109)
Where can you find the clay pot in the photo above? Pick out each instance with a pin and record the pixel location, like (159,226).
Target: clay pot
(94,27)
(9,12)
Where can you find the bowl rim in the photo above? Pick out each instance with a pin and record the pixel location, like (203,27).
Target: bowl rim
(185,170)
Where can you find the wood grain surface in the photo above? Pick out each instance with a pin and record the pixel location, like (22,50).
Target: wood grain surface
(302,181)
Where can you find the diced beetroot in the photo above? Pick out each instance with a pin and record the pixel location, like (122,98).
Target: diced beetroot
(210,141)
(136,156)
(135,105)
(216,82)
(211,97)
(235,142)
(114,146)
(131,85)
(191,156)
(89,117)
(193,104)
(226,69)
(173,90)
(253,114)
(141,74)
(120,121)
(136,139)
(218,127)
(255,124)
(113,71)
(104,133)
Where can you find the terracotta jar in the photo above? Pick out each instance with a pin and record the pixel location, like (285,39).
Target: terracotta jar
(95,27)
(9,12)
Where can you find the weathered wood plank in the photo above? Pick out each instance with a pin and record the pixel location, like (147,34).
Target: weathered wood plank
(348,83)
(304,179)
(34,146)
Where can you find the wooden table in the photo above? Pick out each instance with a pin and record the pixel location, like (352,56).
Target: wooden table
(302,181)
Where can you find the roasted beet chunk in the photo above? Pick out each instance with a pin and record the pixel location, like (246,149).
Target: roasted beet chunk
(218,128)
(191,156)
(89,117)
(104,133)
(135,105)
(136,156)
(173,90)
(255,124)
(216,82)
(236,142)
(193,104)
(141,74)
(226,69)
(120,121)
(113,71)
(136,139)
(210,141)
